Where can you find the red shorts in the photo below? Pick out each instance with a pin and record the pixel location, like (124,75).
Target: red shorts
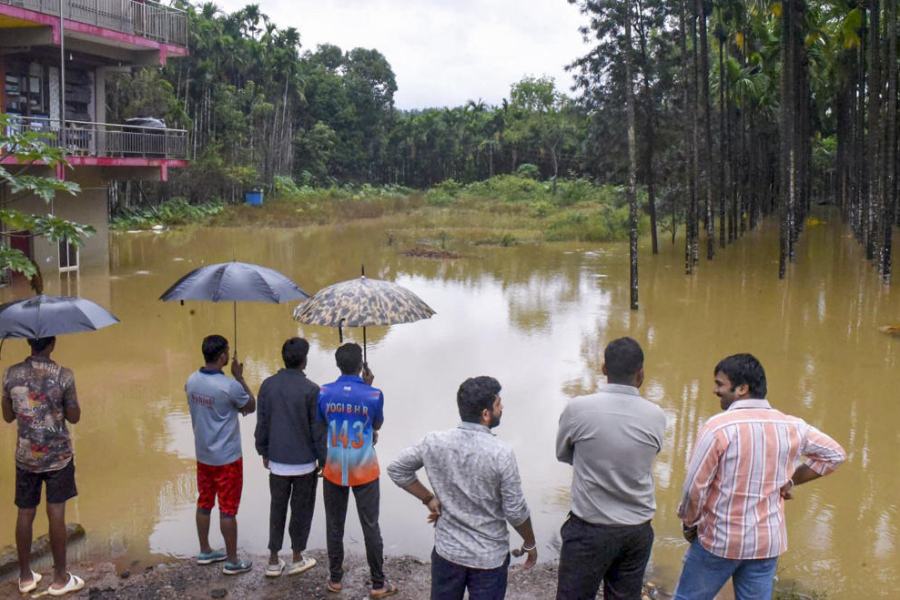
(224,481)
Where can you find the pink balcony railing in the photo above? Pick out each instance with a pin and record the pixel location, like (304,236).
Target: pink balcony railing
(143,18)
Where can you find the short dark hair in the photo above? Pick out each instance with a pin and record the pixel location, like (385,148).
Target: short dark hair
(623,358)
(744,368)
(41,344)
(294,352)
(213,347)
(349,358)
(474,395)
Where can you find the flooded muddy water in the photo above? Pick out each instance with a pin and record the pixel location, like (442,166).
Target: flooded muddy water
(535,317)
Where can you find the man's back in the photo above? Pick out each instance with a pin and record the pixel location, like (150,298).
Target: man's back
(611,439)
(475,477)
(39,390)
(733,486)
(287,418)
(351,410)
(215,400)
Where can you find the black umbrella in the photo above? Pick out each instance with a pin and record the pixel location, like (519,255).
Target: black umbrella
(234,282)
(46,316)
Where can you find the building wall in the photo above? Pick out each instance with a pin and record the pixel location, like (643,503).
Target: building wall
(89,207)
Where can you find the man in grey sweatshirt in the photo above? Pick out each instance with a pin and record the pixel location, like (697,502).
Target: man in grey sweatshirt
(291,441)
(611,438)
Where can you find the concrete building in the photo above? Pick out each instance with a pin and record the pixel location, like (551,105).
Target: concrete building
(92,38)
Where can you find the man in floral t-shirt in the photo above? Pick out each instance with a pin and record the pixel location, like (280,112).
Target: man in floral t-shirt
(40,396)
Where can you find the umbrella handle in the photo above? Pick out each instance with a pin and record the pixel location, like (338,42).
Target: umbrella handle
(365,354)
(235,329)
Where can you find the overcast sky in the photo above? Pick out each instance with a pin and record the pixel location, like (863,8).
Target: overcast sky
(443,52)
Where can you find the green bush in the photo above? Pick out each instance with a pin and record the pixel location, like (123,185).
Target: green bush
(529,170)
(444,193)
(176,211)
(541,209)
(510,188)
(605,224)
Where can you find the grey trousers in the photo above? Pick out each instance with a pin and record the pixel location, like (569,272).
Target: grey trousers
(300,493)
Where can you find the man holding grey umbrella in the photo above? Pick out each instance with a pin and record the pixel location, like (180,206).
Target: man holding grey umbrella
(215,401)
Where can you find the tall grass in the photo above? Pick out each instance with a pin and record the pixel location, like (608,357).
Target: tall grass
(174,212)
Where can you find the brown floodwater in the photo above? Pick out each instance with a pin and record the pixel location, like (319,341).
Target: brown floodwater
(535,317)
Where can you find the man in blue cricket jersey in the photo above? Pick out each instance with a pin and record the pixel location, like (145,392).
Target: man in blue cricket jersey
(353,411)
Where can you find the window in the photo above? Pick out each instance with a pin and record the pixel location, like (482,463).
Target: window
(26,87)
(68,256)
(69,284)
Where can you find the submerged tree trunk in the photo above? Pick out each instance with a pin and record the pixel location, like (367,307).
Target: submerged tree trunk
(787,134)
(632,156)
(696,176)
(722,154)
(705,178)
(651,133)
(874,130)
(891,146)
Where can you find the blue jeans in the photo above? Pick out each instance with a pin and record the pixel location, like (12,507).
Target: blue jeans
(450,580)
(704,574)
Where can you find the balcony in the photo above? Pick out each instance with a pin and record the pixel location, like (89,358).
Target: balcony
(145,19)
(118,143)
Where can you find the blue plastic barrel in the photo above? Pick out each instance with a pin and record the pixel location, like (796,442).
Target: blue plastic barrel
(254,197)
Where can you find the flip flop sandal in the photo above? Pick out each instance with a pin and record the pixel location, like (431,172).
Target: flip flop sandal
(301,567)
(334,587)
(31,585)
(389,589)
(275,570)
(73,584)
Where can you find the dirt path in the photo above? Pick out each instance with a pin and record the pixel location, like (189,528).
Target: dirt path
(184,580)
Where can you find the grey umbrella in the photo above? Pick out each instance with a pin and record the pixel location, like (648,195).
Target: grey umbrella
(362,302)
(234,282)
(46,316)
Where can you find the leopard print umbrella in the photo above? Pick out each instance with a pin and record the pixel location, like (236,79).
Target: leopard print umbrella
(362,302)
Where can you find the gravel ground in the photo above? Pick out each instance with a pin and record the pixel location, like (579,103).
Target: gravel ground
(184,580)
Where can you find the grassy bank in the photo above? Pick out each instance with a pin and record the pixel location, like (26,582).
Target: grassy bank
(504,210)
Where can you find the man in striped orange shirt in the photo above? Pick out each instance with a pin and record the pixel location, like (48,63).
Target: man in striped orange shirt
(744,466)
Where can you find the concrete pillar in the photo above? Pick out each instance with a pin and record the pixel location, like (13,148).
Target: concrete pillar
(54,93)
(100,95)
(100,109)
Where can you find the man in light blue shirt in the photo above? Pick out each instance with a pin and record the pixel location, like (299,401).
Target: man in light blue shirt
(215,401)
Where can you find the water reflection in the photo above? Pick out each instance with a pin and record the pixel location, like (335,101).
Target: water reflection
(537,318)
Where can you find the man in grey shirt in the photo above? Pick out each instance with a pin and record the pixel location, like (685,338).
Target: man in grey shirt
(611,438)
(215,401)
(477,490)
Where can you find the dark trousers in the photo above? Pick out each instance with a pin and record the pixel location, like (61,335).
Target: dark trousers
(368,498)
(615,555)
(300,492)
(449,581)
